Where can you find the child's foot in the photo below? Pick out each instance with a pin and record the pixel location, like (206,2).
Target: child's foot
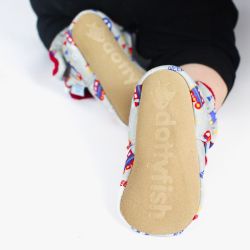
(116,72)
(99,53)
(172,124)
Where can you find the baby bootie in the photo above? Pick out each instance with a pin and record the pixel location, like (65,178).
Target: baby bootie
(94,56)
(172,125)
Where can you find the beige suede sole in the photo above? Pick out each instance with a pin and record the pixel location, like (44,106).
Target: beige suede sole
(117,74)
(163,191)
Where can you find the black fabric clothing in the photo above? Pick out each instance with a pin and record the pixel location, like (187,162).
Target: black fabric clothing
(167,32)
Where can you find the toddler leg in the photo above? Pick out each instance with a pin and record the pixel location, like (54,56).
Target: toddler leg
(173,120)
(198,36)
(212,78)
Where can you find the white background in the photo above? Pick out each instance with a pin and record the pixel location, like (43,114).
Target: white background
(61,160)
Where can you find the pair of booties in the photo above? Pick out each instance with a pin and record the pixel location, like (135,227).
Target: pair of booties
(171,118)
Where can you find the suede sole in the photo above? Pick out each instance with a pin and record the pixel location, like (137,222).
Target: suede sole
(116,72)
(163,190)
